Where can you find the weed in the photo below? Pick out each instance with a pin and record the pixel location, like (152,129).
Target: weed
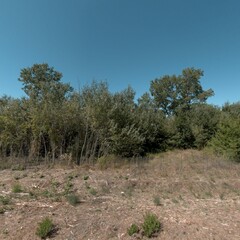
(174,200)
(68,187)
(33,195)
(73,199)
(18,167)
(105,189)
(93,191)
(129,189)
(208,195)
(17,188)
(156,200)
(47,194)
(151,225)
(2,210)
(85,178)
(4,200)
(45,227)
(133,229)
(55,184)
(221,196)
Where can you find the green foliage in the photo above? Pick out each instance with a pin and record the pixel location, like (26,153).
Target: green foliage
(133,229)
(181,132)
(173,92)
(105,161)
(157,201)
(17,188)
(73,199)
(5,200)
(126,142)
(54,122)
(227,139)
(204,120)
(85,178)
(151,225)
(93,191)
(45,228)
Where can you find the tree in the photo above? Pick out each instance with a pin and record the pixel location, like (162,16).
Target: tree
(204,120)
(227,139)
(173,92)
(46,97)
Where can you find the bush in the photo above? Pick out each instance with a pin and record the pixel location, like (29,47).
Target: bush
(226,142)
(17,188)
(45,227)
(133,229)
(105,162)
(156,200)
(73,199)
(151,225)
(4,200)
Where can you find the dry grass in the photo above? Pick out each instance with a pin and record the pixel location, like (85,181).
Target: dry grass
(198,193)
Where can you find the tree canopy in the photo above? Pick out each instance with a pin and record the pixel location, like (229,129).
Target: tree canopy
(54,121)
(173,92)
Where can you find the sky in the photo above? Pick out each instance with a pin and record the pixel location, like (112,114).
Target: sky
(123,42)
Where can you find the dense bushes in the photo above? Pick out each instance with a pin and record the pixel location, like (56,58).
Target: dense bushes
(227,139)
(53,120)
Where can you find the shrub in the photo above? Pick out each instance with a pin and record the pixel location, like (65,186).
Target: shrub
(45,227)
(4,200)
(226,141)
(133,229)
(156,200)
(93,191)
(105,161)
(73,199)
(151,225)
(17,188)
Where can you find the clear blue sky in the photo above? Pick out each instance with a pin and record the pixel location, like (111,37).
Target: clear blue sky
(126,42)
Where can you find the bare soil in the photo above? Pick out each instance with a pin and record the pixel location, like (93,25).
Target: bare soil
(193,194)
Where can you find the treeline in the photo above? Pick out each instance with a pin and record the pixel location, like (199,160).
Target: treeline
(54,121)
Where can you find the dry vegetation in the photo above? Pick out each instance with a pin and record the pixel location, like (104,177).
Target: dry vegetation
(193,194)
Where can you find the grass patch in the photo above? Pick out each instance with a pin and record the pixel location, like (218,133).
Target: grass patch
(93,191)
(45,228)
(133,229)
(151,225)
(4,200)
(157,201)
(73,199)
(17,188)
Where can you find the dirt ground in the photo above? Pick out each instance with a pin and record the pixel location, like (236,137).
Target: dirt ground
(193,194)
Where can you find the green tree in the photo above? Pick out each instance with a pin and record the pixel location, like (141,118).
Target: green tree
(173,92)
(46,97)
(152,124)
(204,120)
(227,139)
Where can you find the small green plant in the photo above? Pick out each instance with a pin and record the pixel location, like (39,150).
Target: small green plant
(18,167)
(157,201)
(68,187)
(85,178)
(151,225)
(2,210)
(4,200)
(47,194)
(17,188)
(73,199)
(93,191)
(129,190)
(45,228)
(133,229)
